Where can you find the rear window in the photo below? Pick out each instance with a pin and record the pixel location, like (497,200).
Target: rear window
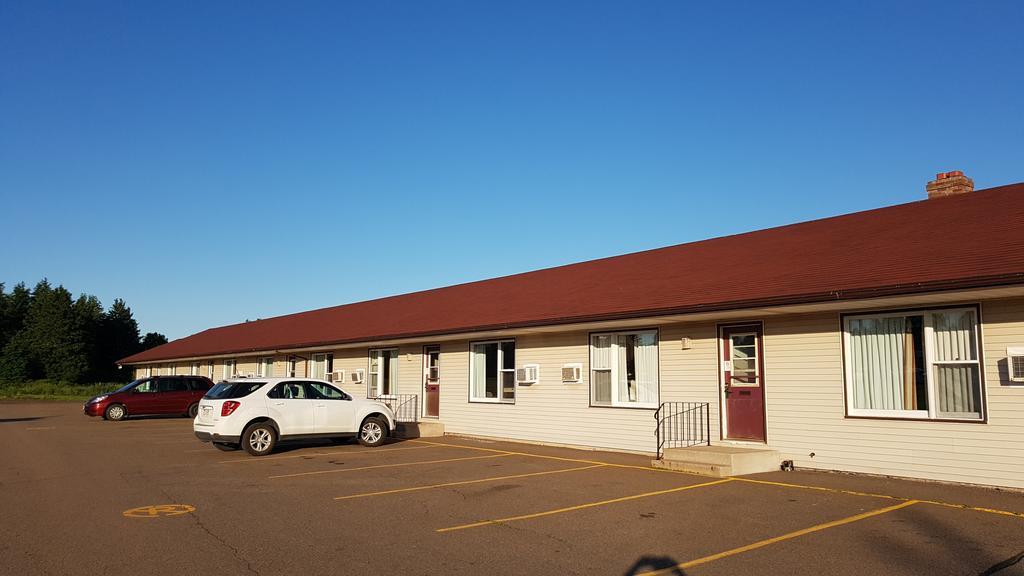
(228,390)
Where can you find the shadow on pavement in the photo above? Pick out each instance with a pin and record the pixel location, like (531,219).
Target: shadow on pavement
(646,564)
(25,419)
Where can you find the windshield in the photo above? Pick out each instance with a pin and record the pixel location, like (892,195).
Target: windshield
(227,390)
(129,385)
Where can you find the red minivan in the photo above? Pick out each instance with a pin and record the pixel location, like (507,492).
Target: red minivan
(149,396)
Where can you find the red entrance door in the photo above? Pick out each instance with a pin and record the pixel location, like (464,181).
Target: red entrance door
(743,377)
(432,381)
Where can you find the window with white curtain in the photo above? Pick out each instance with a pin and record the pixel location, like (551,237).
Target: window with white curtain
(229,369)
(321,365)
(921,364)
(266,367)
(492,370)
(383,372)
(624,369)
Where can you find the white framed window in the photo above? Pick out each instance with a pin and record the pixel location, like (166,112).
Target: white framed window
(321,365)
(229,368)
(492,371)
(383,372)
(266,367)
(292,366)
(919,364)
(209,369)
(193,369)
(624,369)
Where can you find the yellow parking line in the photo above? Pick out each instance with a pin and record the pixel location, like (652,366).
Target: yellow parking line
(886,496)
(751,480)
(560,458)
(386,466)
(974,508)
(777,539)
(332,453)
(820,488)
(464,482)
(581,506)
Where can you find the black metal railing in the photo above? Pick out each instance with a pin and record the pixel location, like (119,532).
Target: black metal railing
(405,406)
(682,424)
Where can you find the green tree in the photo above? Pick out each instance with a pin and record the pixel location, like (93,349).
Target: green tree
(118,337)
(152,340)
(14,307)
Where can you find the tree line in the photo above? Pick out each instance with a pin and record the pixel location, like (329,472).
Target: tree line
(45,333)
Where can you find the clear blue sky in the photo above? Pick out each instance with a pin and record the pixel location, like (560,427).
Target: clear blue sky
(211,162)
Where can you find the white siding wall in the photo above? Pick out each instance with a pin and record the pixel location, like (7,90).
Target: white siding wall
(548,411)
(806,413)
(804,395)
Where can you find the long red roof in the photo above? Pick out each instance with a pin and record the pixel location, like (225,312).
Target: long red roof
(965,241)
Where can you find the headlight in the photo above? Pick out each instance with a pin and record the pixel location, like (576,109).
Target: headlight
(97,399)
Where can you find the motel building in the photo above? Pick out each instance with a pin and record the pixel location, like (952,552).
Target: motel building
(889,341)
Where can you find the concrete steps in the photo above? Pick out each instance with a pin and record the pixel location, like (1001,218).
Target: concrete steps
(425,429)
(720,460)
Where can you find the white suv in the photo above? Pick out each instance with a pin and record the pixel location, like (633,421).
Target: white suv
(255,413)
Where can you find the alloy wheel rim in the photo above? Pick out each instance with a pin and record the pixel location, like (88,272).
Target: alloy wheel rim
(116,412)
(371,432)
(259,440)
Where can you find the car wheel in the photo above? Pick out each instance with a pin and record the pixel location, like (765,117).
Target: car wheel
(259,439)
(373,432)
(226,447)
(115,412)
(193,411)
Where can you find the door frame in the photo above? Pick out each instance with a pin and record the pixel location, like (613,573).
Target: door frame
(723,416)
(427,348)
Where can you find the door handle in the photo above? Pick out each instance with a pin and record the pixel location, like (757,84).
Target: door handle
(278,403)
(321,405)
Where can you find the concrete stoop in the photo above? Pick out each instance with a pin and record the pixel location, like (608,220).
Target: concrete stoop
(720,461)
(419,430)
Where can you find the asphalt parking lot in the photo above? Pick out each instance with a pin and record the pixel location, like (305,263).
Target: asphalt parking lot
(82,496)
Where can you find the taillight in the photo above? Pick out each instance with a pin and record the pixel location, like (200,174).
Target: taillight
(228,407)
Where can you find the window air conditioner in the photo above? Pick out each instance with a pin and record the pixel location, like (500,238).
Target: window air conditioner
(336,376)
(358,376)
(1015,363)
(528,374)
(572,373)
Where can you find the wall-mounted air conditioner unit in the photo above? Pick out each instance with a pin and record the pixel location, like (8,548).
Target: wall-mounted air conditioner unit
(1015,363)
(572,373)
(528,374)
(358,376)
(336,376)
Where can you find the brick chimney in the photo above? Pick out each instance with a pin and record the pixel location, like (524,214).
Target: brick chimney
(949,184)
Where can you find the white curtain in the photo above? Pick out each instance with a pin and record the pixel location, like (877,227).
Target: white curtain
(374,380)
(627,388)
(646,355)
(479,371)
(876,358)
(957,385)
(600,364)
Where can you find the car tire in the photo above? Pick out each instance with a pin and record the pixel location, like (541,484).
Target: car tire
(373,431)
(259,439)
(223,446)
(115,412)
(193,411)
